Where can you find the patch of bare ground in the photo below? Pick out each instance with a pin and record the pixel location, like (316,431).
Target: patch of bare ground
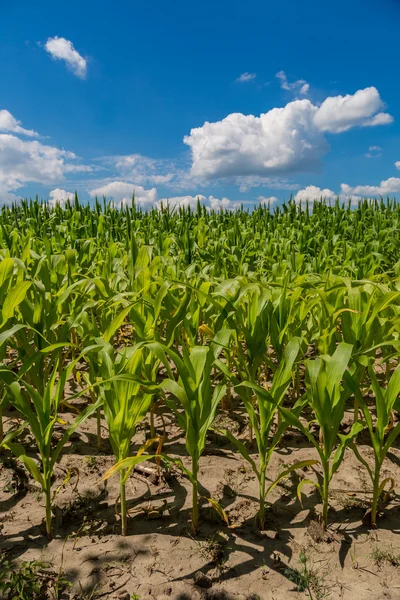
(160,559)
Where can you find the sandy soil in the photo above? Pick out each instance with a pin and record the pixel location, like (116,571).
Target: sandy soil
(160,559)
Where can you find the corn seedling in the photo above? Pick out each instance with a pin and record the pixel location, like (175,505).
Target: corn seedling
(326,395)
(381,435)
(41,413)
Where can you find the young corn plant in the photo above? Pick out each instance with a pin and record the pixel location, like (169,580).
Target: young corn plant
(194,393)
(41,411)
(381,434)
(327,391)
(126,402)
(263,421)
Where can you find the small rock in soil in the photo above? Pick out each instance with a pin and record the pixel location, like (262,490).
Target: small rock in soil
(316,532)
(202,580)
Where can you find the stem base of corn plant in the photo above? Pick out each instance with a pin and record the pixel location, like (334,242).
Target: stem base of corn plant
(49,532)
(261,512)
(124,516)
(375,496)
(195,498)
(325,496)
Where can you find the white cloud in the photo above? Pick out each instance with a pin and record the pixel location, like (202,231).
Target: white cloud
(347,192)
(270,200)
(312,193)
(340,113)
(9,124)
(248,182)
(373,152)
(23,161)
(59,196)
(397,164)
(74,168)
(379,119)
(61,49)
(386,187)
(7,197)
(121,192)
(244,77)
(142,169)
(283,140)
(300,86)
(211,203)
(224,203)
(185,201)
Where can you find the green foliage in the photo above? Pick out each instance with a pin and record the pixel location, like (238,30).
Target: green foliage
(193,308)
(30,580)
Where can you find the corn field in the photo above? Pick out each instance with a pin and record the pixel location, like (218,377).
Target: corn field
(288,318)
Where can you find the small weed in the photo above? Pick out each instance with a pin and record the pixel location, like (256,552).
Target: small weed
(307,580)
(213,549)
(387,555)
(92,462)
(30,580)
(233,482)
(351,502)
(86,595)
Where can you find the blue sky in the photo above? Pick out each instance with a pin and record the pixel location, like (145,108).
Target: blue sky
(180,100)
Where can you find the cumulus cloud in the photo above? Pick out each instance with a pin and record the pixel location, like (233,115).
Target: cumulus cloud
(23,161)
(61,49)
(142,169)
(283,140)
(386,187)
(340,113)
(312,193)
(9,124)
(270,200)
(300,86)
(178,201)
(379,119)
(244,77)
(121,192)
(397,164)
(59,196)
(210,202)
(7,197)
(222,203)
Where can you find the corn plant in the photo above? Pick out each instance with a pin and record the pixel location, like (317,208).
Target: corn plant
(263,422)
(381,434)
(41,411)
(195,394)
(126,403)
(326,395)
